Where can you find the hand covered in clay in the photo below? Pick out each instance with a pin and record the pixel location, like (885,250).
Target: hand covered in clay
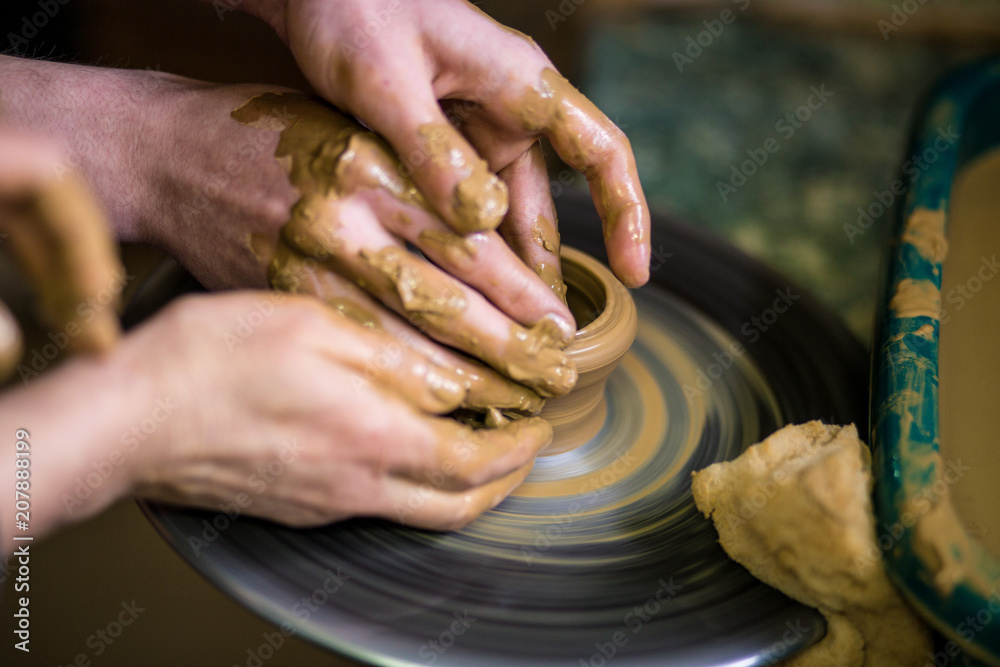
(239,182)
(60,239)
(274,402)
(347,413)
(353,221)
(428,62)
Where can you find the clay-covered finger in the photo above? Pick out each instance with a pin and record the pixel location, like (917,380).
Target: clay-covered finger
(376,357)
(484,388)
(485,262)
(479,455)
(433,301)
(380,359)
(456,181)
(590,143)
(329,155)
(530,226)
(423,505)
(460,458)
(60,238)
(294,272)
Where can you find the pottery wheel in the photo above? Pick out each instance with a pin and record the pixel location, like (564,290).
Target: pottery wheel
(600,554)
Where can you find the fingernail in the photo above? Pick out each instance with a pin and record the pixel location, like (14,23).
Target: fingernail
(639,278)
(561,378)
(566,328)
(535,358)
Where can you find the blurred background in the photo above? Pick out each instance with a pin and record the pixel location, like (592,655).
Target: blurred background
(700,88)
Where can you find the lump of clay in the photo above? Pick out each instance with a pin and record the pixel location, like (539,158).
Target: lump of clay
(795,510)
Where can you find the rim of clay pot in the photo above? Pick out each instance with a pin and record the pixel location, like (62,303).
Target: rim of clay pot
(607,322)
(606,316)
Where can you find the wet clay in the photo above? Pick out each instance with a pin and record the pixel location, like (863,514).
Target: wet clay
(483,389)
(545,234)
(968,360)
(479,201)
(925,231)
(61,241)
(327,152)
(420,289)
(608,320)
(581,135)
(538,346)
(916,298)
(531,355)
(454,247)
(812,536)
(329,156)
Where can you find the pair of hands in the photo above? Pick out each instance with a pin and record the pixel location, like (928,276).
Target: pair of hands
(353,406)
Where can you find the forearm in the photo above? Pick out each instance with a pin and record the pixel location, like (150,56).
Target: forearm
(102,120)
(81,450)
(165,160)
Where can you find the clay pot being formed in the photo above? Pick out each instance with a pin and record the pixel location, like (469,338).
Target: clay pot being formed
(607,321)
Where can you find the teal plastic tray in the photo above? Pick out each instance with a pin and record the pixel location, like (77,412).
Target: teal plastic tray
(945,572)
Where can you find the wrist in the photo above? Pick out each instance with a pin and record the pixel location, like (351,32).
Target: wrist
(77,416)
(102,123)
(221,194)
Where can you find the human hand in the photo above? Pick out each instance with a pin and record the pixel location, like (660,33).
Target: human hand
(208,189)
(431,61)
(343,417)
(60,239)
(355,213)
(233,160)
